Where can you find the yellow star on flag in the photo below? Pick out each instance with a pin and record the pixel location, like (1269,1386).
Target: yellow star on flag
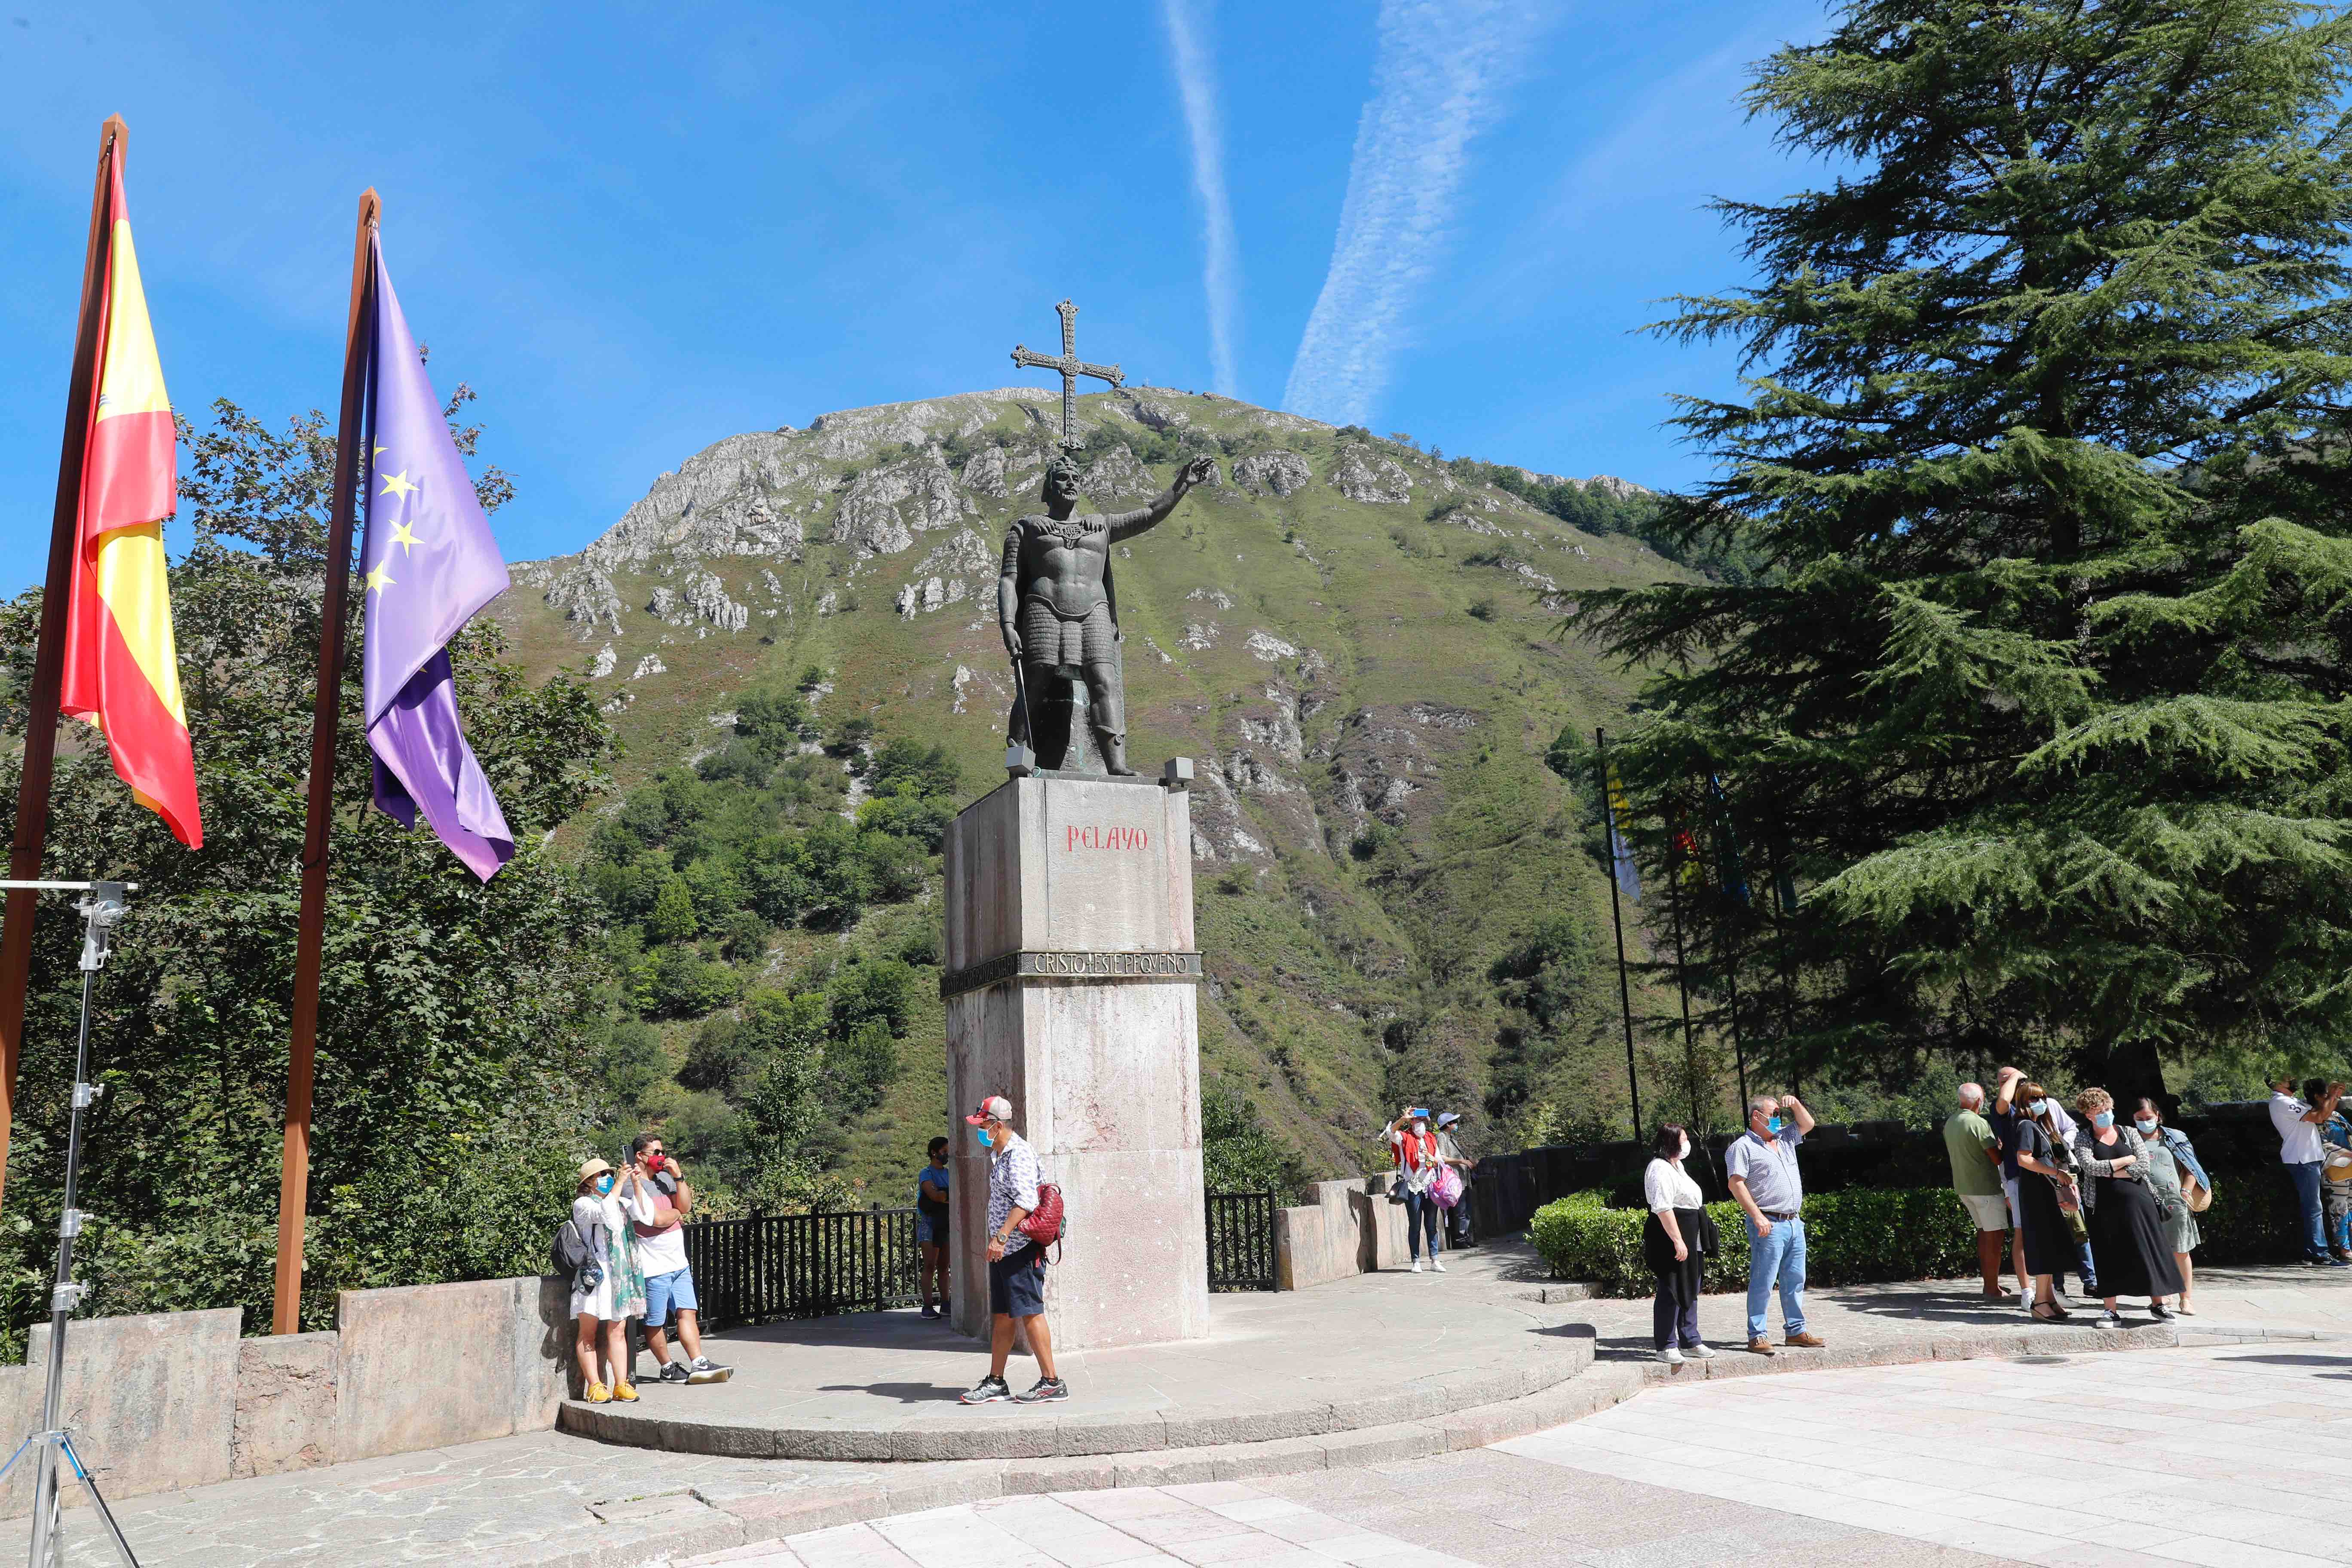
(379,579)
(401,535)
(397,485)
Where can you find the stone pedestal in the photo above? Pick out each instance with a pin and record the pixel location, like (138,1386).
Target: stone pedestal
(1071,990)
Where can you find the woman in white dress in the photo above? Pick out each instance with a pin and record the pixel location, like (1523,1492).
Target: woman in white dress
(608,1201)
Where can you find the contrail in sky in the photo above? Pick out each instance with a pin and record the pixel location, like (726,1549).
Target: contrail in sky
(1197,82)
(1443,69)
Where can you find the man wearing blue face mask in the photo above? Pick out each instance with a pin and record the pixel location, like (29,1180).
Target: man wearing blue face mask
(1761,1169)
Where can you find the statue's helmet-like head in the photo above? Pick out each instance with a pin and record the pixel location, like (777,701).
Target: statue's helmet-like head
(1062,480)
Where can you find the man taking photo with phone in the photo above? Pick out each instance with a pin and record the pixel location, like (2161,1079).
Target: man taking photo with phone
(661,1251)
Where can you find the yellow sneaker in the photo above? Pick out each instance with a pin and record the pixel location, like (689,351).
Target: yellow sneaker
(624,1391)
(597,1394)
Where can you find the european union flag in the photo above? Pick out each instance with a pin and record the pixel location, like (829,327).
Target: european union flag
(430,563)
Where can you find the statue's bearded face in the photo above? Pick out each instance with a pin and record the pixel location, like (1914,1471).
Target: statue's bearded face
(1062,482)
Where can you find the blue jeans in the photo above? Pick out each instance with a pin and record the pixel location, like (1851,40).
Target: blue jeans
(2304,1174)
(1778,1258)
(1420,1211)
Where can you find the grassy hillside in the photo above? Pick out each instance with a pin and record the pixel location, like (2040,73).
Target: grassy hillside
(1354,640)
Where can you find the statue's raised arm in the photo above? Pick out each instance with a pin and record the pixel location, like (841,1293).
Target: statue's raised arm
(1201,471)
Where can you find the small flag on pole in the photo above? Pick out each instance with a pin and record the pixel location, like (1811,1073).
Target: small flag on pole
(1734,875)
(122,671)
(1628,878)
(430,563)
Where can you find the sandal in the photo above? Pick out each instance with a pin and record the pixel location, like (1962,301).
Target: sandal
(2055,1314)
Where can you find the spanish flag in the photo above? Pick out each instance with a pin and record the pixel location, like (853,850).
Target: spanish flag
(122,672)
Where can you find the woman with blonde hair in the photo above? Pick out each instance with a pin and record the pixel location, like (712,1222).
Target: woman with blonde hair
(603,1212)
(2045,1241)
(2127,1237)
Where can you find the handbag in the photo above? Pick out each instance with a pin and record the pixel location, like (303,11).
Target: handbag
(2195,1194)
(1447,1188)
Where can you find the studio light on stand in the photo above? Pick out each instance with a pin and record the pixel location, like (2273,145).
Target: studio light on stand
(102,908)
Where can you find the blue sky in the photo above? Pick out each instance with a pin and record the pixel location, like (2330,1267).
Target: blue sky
(638,229)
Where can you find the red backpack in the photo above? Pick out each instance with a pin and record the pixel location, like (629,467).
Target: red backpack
(1042,1225)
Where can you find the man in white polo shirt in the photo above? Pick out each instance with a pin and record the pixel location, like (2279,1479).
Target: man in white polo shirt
(2298,1122)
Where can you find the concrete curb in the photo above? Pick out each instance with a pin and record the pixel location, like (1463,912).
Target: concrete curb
(1015,1433)
(656,1531)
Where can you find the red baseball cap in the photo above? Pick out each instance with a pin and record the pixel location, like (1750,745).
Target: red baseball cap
(996,1108)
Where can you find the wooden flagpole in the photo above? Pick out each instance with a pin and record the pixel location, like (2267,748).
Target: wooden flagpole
(49,653)
(294,1167)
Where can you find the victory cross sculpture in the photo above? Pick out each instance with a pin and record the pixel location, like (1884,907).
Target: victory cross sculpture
(1055,599)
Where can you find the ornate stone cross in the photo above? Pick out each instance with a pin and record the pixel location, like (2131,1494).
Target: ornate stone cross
(1071,367)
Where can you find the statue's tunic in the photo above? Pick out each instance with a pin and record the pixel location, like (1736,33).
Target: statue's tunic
(1068,617)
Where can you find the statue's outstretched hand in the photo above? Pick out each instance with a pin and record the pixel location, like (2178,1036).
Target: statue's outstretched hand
(1201,471)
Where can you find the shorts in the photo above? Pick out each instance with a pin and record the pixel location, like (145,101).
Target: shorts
(1016,1285)
(930,1231)
(2008,1191)
(665,1291)
(1990,1210)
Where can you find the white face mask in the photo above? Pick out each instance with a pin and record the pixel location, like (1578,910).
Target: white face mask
(1421,1129)
(1685,1154)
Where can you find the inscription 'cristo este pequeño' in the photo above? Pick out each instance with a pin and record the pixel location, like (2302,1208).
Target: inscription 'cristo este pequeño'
(1109,963)
(1104,836)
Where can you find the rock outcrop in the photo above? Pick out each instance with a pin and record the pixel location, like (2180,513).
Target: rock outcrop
(1358,474)
(1278,473)
(587,598)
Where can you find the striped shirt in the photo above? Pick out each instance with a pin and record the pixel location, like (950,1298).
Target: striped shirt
(1012,1178)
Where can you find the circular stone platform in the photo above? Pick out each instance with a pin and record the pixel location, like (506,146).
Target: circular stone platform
(1368,1352)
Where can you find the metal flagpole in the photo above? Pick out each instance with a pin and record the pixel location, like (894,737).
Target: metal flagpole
(49,650)
(101,910)
(1682,981)
(1617,919)
(294,1166)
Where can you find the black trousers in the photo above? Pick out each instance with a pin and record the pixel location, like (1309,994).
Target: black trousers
(1674,1311)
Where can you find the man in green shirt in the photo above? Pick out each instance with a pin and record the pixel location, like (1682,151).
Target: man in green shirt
(1976,1177)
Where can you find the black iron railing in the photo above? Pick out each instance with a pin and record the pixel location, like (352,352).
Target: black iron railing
(1241,1241)
(802,1264)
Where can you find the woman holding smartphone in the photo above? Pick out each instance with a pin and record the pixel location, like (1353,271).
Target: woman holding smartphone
(608,1201)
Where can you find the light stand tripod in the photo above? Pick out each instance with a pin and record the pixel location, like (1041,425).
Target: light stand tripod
(101,910)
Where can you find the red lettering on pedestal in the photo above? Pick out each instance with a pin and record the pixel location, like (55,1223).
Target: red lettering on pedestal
(1099,837)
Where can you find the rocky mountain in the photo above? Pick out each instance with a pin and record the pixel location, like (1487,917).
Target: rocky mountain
(1356,642)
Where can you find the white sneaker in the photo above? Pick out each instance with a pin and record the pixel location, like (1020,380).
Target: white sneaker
(1416,1266)
(1438,1264)
(1699,1352)
(1671,1356)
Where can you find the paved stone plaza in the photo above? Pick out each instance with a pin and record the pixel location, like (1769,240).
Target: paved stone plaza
(1883,1459)
(1880,1465)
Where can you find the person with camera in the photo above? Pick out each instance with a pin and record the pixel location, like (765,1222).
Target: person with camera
(665,1199)
(609,1287)
(1413,1148)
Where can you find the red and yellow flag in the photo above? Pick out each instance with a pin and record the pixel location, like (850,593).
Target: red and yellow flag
(122,672)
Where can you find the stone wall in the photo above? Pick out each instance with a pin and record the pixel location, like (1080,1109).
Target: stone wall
(169,1400)
(1351,1228)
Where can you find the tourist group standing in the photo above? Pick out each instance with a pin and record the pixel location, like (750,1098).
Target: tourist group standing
(2110,1199)
(623,1251)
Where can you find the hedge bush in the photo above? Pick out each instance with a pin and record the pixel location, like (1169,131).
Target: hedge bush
(1867,1234)
(1850,1237)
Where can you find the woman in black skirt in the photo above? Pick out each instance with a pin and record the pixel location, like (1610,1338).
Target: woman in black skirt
(1675,1238)
(2043,1233)
(2127,1235)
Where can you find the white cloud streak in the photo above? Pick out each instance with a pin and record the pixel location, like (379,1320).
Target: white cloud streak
(1442,72)
(1196,84)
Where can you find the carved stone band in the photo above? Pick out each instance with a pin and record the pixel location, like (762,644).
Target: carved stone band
(1029,965)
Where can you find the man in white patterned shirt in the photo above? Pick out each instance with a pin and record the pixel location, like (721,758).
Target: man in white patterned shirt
(1016,1268)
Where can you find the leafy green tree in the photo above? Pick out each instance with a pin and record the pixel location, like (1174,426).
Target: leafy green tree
(2037,695)
(673,917)
(1239,1155)
(460,1023)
